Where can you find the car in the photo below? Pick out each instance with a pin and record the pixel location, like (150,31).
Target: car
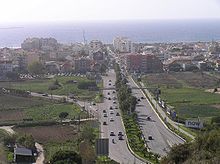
(45,94)
(113,91)
(111,112)
(104,123)
(116,107)
(114,102)
(120,138)
(105,115)
(108,93)
(138,99)
(112,133)
(148,118)
(110,108)
(142,97)
(111,119)
(150,137)
(93,103)
(110,80)
(117,114)
(114,98)
(120,134)
(109,84)
(104,111)
(109,98)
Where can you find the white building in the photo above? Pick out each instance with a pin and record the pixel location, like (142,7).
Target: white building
(122,44)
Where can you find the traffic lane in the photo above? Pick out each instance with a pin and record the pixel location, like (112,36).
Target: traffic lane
(168,136)
(118,151)
(149,128)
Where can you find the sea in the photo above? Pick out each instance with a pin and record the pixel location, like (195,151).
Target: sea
(139,31)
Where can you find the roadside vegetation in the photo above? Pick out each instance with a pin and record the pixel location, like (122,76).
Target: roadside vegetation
(127,104)
(205,149)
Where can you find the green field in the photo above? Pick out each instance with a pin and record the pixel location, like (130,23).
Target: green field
(52,111)
(186,93)
(64,89)
(15,109)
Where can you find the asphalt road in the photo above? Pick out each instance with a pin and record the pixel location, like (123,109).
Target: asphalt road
(118,150)
(163,138)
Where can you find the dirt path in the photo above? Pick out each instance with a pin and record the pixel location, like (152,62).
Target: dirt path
(39,147)
(40,158)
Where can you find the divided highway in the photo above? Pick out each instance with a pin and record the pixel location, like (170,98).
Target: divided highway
(118,149)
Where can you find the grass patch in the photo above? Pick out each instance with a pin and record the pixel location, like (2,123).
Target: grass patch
(136,143)
(52,111)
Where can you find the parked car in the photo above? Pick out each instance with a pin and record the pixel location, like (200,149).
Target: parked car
(104,123)
(112,133)
(117,114)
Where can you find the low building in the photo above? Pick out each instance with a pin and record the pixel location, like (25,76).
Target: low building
(23,155)
(82,65)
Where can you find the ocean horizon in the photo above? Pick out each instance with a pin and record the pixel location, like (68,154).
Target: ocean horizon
(155,31)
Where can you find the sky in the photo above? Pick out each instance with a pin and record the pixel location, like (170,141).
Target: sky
(84,10)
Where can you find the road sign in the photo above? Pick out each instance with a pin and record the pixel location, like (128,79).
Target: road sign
(102,146)
(194,124)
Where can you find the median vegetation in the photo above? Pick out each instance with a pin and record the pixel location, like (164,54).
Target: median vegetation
(127,105)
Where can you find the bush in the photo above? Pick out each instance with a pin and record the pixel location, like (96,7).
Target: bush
(70,157)
(53,87)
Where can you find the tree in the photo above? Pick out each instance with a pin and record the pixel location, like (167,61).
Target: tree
(88,156)
(62,157)
(36,68)
(26,141)
(63,115)
(88,133)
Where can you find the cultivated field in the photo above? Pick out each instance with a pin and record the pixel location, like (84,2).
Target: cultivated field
(185,91)
(14,109)
(45,134)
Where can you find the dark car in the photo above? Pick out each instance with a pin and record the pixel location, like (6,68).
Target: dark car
(142,97)
(120,134)
(110,108)
(120,138)
(104,123)
(117,114)
(113,91)
(112,133)
(105,115)
(104,111)
(109,98)
(108,93)
(150,137)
